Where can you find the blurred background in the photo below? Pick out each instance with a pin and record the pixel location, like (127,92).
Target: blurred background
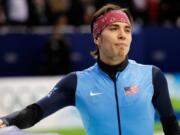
(42,40)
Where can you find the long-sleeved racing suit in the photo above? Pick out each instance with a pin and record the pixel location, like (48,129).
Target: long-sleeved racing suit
(112,100)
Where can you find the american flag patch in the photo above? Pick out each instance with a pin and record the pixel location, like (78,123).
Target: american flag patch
(131,90)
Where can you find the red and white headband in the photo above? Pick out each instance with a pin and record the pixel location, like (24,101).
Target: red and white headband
(109,18)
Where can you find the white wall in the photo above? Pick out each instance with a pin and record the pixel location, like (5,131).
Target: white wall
(16,93)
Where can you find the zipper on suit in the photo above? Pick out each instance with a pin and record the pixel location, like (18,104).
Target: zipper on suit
(117,105)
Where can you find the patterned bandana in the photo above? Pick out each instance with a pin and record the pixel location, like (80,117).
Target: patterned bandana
(109,18)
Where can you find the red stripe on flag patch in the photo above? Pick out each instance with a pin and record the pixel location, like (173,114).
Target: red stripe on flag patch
(131,90)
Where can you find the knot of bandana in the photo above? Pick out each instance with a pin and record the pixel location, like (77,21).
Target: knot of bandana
(109,18)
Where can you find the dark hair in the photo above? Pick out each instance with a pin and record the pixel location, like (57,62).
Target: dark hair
(106,8)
